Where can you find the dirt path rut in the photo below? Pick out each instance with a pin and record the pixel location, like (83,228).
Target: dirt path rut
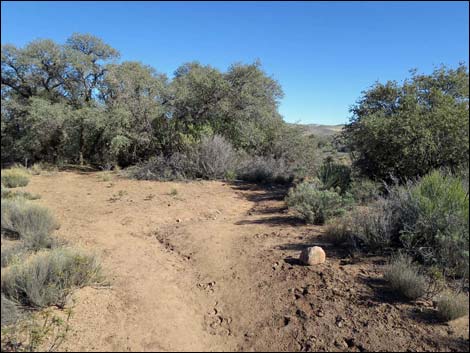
(209,266)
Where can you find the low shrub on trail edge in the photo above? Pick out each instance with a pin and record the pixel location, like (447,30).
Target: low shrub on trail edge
(33,224)
(48,277)
(404,277)
(428,218)
(14,177)
(451,306)
(314,204)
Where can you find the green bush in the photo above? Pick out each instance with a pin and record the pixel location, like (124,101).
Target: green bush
(451,306)
(407,130)
(365,190)
(314,204)
(14,177)
(334,175)
(404,277)
(48,277)
(29,222)
(434,217)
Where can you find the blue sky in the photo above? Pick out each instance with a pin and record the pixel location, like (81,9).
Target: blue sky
(323,53)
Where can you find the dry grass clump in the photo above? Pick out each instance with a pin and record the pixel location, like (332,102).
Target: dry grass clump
(451,306)
(14,177)
(405,278)
(48,277)
(29,222)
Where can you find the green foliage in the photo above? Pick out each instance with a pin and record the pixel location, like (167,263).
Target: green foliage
(405,278)
(435,216)
(73,103)
(29,222)
(315,204)
(428,218)
(410,129)
(451,306)
(334,176)
(365,190)
(48,277)
(14,177)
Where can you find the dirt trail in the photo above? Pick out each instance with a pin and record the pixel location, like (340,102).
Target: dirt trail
(212,268)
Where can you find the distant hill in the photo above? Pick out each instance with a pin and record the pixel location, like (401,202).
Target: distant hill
(320,130)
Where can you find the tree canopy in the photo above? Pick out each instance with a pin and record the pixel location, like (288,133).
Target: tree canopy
(407,130)
(75,102)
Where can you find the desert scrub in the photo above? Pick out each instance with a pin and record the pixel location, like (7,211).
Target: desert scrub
(12,252)
(10,312)
(42,331)
(31,223)
(264,169)
(14,177)
(335,176)
(405,278)
(451,306)
(434,220)
(373,226)
(315,205)
(338,232)
(10,194)
(105,176)
(365,190)
(48,277)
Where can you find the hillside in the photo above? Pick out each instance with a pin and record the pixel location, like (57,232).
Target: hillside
(320,130)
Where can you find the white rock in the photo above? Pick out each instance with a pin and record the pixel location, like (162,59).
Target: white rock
(313,256)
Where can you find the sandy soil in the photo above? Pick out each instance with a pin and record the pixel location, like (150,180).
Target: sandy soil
(213,268)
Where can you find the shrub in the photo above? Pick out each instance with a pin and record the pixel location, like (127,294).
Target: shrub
(334,175)
(264,169)
(174,167)
(29,222)
(314,204)
(10,312)
(338,232)
(409,129)
(48,277)
(373,226)
(365,190)
(213,157)
(451,306)
(14,177)
(9,194)
(10,253)
(405,278)
(43,168)
(435,220)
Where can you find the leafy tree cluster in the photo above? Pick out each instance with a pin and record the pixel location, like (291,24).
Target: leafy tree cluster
(408,130)
(76,103)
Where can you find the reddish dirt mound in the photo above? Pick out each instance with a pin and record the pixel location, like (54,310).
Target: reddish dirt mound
(213,266)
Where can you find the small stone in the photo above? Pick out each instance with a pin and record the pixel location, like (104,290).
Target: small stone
(178,220)
(313,256)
